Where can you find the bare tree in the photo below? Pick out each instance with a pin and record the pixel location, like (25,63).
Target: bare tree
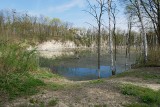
(111,39)
(143,31)
(136,7)
(128,39)
(152,9)
(97,12)
(114,13)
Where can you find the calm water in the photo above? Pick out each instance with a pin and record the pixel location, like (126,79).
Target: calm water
(85,68)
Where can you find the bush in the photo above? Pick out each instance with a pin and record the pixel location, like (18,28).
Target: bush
(16,59)
(15,64)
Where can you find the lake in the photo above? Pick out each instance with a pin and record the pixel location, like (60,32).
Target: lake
(85,67)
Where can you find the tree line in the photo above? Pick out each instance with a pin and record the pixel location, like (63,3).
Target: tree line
(21,26)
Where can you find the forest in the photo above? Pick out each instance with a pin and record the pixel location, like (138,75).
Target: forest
(49,62)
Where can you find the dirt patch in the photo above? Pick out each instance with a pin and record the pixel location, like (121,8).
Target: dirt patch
(86,95)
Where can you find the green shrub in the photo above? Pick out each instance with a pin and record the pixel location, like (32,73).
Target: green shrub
(16,59)
(15,64)
(146,95)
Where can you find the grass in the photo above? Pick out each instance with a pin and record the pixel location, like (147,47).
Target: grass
(138,105)
(15,64)
(33,101)
(158,82)
(45,74)
(146,96)
(146,74)
(101,105)
(55,86)
(153,58)
(53,102)
(97,81)
(20,74)
(15,87)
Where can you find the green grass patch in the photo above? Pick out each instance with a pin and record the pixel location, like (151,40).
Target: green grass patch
(53,102)
(98,81)
(15,86)
(151,76)
(45,74)
(55,86)
(141,73)
(145,95)
(127,73)
(138,105)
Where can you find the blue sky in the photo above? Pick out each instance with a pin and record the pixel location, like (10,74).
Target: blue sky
(66,10)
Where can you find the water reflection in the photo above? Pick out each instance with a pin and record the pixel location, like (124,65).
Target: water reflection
(85,68)
(78,74)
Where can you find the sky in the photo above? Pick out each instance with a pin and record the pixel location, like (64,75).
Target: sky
(67,10)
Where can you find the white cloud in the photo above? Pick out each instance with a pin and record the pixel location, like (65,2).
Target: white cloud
(67,6)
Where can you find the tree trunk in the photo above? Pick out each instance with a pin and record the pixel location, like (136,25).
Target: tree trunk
(99,49)
(110,39)
(145,52)
(126,54)
(129,36)
(158,26)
